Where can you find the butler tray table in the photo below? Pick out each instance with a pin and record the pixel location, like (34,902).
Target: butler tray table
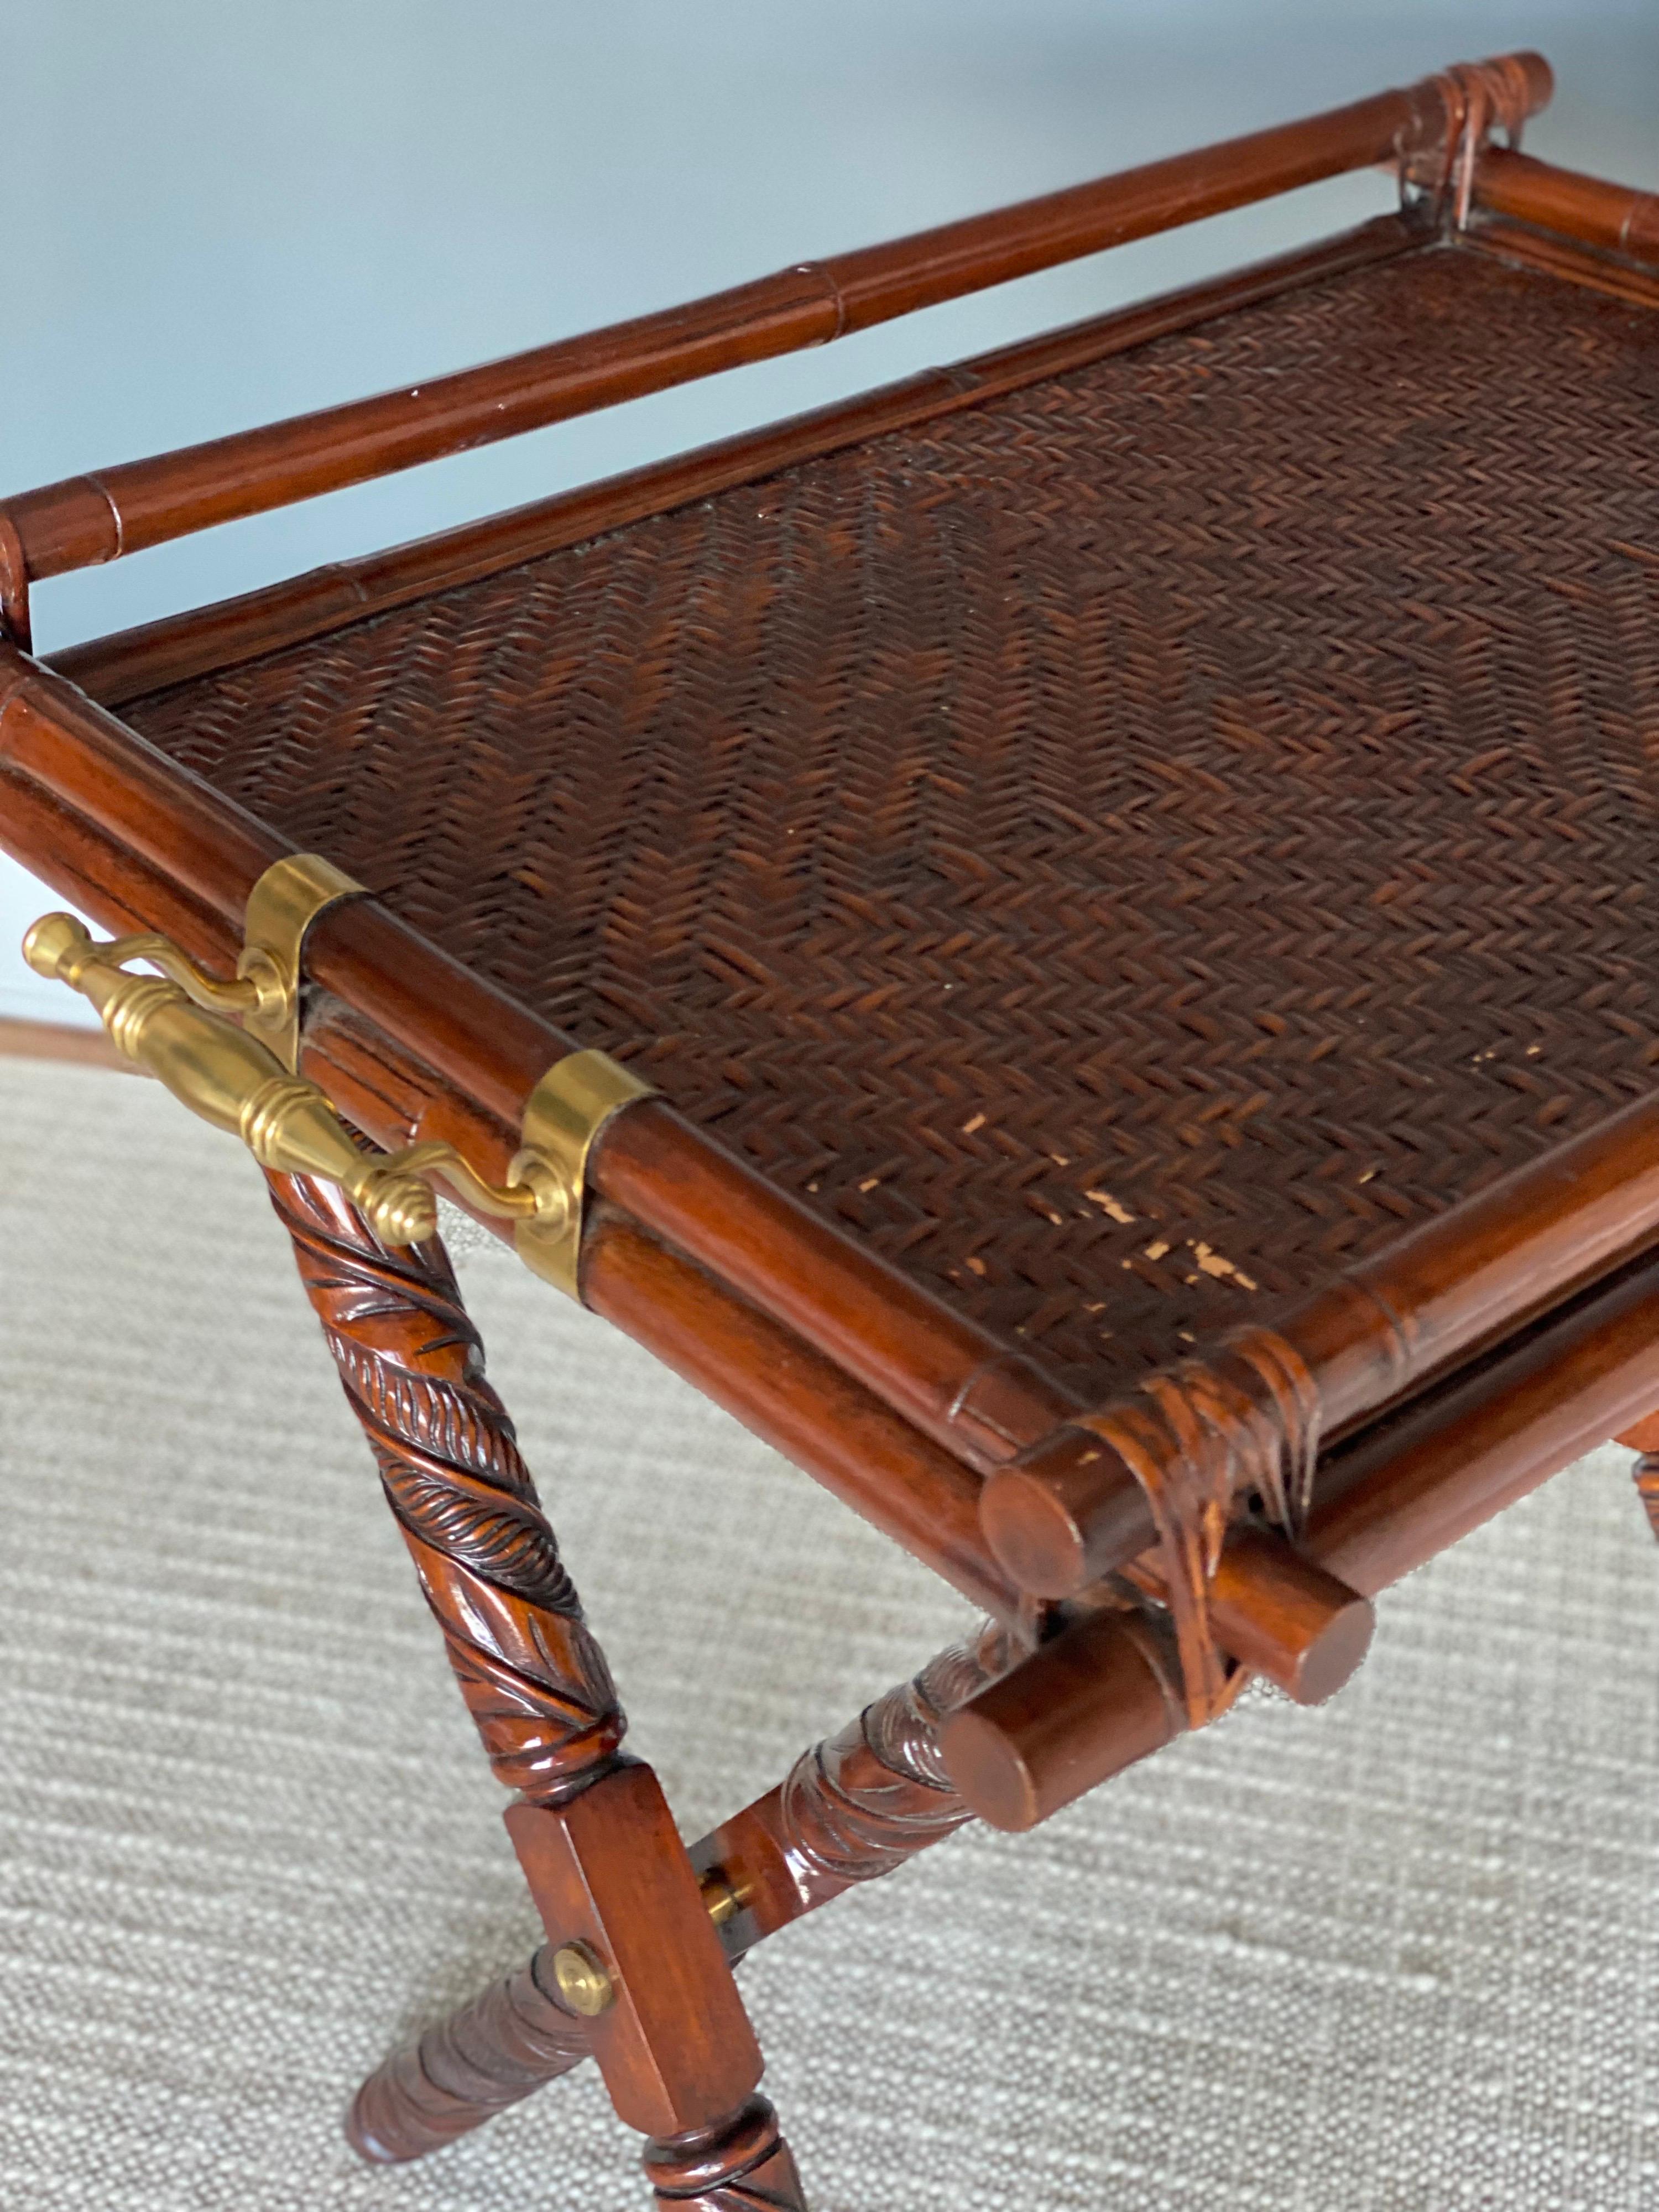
(1073,941)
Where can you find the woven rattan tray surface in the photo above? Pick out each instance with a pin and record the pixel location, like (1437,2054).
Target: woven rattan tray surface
(1125,849)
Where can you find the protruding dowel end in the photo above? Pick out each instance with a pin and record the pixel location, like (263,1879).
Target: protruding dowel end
(1077,1711)
(1540,79)
(1285,1618)
(1064,1516)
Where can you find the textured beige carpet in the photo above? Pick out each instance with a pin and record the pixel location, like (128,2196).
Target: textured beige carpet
(1401,1953)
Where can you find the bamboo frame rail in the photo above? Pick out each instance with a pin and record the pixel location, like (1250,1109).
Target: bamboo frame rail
(1464,1278)
(1556,253)
(130,662)
(932,1364)
(846,1436)
(1613,217)
(86,520)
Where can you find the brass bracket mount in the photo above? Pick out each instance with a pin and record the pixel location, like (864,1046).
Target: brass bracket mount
(563,1116)
(282,906)
(240,1074)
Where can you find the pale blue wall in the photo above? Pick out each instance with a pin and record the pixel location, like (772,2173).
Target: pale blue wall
(223,214)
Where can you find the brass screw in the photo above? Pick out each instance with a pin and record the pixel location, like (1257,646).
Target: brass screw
(722,1900)
(584,1984)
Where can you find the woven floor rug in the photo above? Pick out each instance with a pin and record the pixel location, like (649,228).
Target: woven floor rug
(1401,1953)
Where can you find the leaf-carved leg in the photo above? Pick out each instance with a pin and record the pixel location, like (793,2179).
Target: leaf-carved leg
(412,1365)
(491,2054)
(853,1808)
(534,1678)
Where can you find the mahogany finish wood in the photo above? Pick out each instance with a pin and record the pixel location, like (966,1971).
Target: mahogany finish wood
(1285,1616)
(1612,216)
(1566,257)
(800,1402)
(87,519)
(496,2051)
(1115,1537)
(493,1053)
(1071,1512)
(742,2164)
(853,1808)
(1643,1440)
(1646,1473)
(594,1833)
(1417,1484)
(1102,1694)
(1478,1268)
(1270,1609)
(804,1406)
(608,1870)
(411,1365)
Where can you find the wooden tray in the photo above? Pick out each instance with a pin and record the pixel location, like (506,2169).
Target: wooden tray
(1129,861)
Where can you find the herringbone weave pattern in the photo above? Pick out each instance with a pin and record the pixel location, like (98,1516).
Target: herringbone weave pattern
(1127,848)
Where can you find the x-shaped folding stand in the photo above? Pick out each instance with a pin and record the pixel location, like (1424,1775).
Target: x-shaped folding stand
(642,1933)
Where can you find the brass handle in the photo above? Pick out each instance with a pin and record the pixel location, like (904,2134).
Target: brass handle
(174,1024)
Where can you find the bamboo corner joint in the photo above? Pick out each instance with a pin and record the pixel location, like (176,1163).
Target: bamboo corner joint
(230,1051)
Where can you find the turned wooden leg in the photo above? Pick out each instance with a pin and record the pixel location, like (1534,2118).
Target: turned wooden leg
(1644,1441)
(852,1808)
(741,2164)
(492,2053)
(615,1887)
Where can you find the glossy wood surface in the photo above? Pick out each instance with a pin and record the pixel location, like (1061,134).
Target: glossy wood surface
(1283,1615)
(803,1404)
(91,519)
(1448,1375)
(1099,1697)
(1421,1482)
(189,859)
(800,1402)
(608,1870)
(1553,254)
(853,1808)
(411,1365)
(1614,217)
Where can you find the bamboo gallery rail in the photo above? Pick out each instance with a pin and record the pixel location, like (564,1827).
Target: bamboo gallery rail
(1229,1506)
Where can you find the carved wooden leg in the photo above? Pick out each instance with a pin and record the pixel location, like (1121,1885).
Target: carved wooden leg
(742,2165)
(608,1872)
(852,1808)
(494,2053)
(1644,1441)
(412,1365)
